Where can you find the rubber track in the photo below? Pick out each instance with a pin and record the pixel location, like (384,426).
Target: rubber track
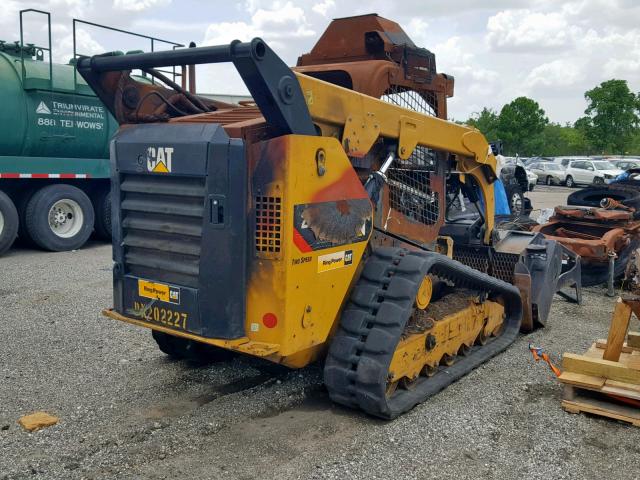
(356,369)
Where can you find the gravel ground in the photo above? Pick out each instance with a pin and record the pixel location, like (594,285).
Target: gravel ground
(126,411)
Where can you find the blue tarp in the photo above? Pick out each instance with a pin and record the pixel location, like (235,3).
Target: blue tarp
(500,199)
(501,203)
(622,177)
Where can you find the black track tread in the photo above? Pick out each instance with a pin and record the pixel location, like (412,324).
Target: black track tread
(357,364)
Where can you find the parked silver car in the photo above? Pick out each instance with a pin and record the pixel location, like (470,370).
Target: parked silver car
(549,173)
(591,171)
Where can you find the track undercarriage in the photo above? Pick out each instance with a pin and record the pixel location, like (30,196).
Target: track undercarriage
(399,342)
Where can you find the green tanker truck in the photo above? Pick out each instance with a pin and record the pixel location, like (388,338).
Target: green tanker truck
(54,149)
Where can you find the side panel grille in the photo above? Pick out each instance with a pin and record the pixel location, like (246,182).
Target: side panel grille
(162,227)
(499,265)
(503,265)
(268,226)
(473,258)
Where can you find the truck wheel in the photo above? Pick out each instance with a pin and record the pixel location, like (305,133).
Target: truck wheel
(8,222)
(598,181)
(59,218)
(549,180)
(569,182)
(183,349)
(21,204)
(102,208)
(515,197)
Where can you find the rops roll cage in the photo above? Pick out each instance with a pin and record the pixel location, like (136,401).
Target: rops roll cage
(270,81)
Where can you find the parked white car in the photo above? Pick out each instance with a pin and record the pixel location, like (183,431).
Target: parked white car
(532,178)
(549,173)
(565,161)
(583,172)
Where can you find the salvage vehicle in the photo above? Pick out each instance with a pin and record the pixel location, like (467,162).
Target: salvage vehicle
(312,225)
(584,172)
(549,173)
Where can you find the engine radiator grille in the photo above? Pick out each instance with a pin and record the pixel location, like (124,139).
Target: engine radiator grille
(161,220)
(268,234)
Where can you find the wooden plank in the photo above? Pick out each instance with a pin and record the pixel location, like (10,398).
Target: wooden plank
(576,401)
(621,392)
(599,368)
(633,339)
(593,352)
(630,360)
(626,386)
(581,380)
(617,331)
(601,344)
(582,407)
(599,384)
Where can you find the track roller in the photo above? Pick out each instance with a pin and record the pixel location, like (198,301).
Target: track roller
(396,346)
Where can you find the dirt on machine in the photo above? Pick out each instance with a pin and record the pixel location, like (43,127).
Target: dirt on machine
(314,224)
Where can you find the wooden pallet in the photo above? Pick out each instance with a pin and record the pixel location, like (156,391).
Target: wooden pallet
(580,400)
(605,380)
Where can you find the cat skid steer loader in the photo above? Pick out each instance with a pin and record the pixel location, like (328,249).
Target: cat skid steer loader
(312,224)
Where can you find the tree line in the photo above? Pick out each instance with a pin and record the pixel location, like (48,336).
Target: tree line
(610,125)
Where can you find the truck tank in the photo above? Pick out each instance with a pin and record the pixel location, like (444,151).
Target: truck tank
(47,115)
(54,145)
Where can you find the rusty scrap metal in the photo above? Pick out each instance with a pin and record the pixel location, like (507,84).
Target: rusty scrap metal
(592,233)
(374,56)
(604,238)
(611,204)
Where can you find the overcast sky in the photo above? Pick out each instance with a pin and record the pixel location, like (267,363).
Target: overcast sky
(550,50)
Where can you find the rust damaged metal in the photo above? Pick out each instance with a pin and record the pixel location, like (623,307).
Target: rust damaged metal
(137,102)
(593,233)
(374,56)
